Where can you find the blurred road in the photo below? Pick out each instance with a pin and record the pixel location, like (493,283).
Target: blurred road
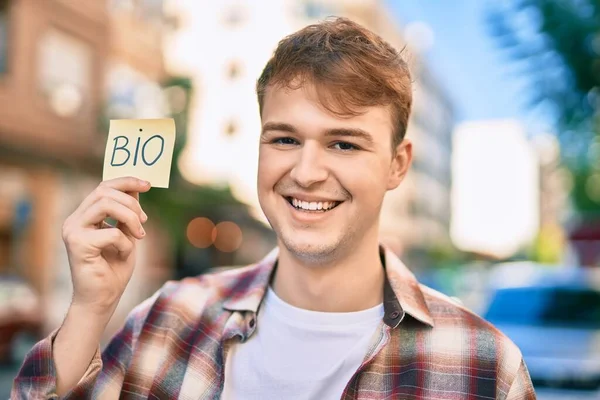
(8,372)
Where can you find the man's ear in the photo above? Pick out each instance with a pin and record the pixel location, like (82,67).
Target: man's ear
(401,161)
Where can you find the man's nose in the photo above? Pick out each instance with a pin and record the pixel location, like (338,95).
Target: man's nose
(309,166)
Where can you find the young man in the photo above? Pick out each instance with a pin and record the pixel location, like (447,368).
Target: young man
(330,314)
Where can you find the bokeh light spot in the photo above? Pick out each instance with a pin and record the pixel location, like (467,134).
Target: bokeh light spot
(227,236)
(200,232)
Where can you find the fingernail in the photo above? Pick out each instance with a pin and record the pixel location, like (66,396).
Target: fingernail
(144,183)
(144,217)
(142,232)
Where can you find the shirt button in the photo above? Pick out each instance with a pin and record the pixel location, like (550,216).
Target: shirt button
(252,323)
(394,315)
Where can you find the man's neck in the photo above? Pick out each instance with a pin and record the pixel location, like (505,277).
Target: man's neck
(352,284)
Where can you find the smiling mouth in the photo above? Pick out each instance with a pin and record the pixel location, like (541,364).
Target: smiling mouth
(312,206)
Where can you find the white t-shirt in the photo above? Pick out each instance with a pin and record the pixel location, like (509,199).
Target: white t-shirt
(299,354)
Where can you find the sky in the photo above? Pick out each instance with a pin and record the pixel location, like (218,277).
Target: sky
(465,58)
(468,63)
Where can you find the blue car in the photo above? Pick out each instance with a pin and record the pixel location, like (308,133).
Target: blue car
(553,315)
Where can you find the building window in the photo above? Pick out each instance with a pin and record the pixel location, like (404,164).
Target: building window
(131,94)
(414,208)
(151,10)
(147,10)
(234,70)
(64,68)
(121,5)
(4,10)
(231,129)
(234,15)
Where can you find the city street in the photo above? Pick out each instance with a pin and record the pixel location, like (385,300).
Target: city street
(7,372)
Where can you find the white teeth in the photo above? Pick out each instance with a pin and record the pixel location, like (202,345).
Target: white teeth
(313,205)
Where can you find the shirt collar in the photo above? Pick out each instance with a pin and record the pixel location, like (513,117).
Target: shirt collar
(401,293)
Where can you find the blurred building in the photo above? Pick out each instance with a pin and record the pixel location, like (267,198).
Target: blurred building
(496,189)
(65,68)
(233,39)
(422,205)
(415,218)
(555,182)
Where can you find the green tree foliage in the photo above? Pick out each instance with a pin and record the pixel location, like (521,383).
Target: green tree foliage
(555,44)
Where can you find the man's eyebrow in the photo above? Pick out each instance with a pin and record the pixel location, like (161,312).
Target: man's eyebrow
(350,132)
(334,132)
(278,126)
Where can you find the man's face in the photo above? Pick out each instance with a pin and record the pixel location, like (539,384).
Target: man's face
(322,178)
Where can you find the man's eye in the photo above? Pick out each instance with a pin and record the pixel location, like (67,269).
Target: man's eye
(284,140)
(344,146)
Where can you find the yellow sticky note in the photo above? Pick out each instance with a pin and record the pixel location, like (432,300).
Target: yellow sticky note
(142,148)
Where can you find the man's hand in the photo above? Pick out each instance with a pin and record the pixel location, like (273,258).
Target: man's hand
(101,256)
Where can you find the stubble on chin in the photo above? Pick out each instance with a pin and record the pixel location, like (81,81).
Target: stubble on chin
(315,253)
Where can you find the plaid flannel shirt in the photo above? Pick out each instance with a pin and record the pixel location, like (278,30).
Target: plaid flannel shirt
(174,345)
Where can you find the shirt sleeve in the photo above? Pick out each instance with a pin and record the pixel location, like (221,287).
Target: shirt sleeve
(521,387)
(104,376)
